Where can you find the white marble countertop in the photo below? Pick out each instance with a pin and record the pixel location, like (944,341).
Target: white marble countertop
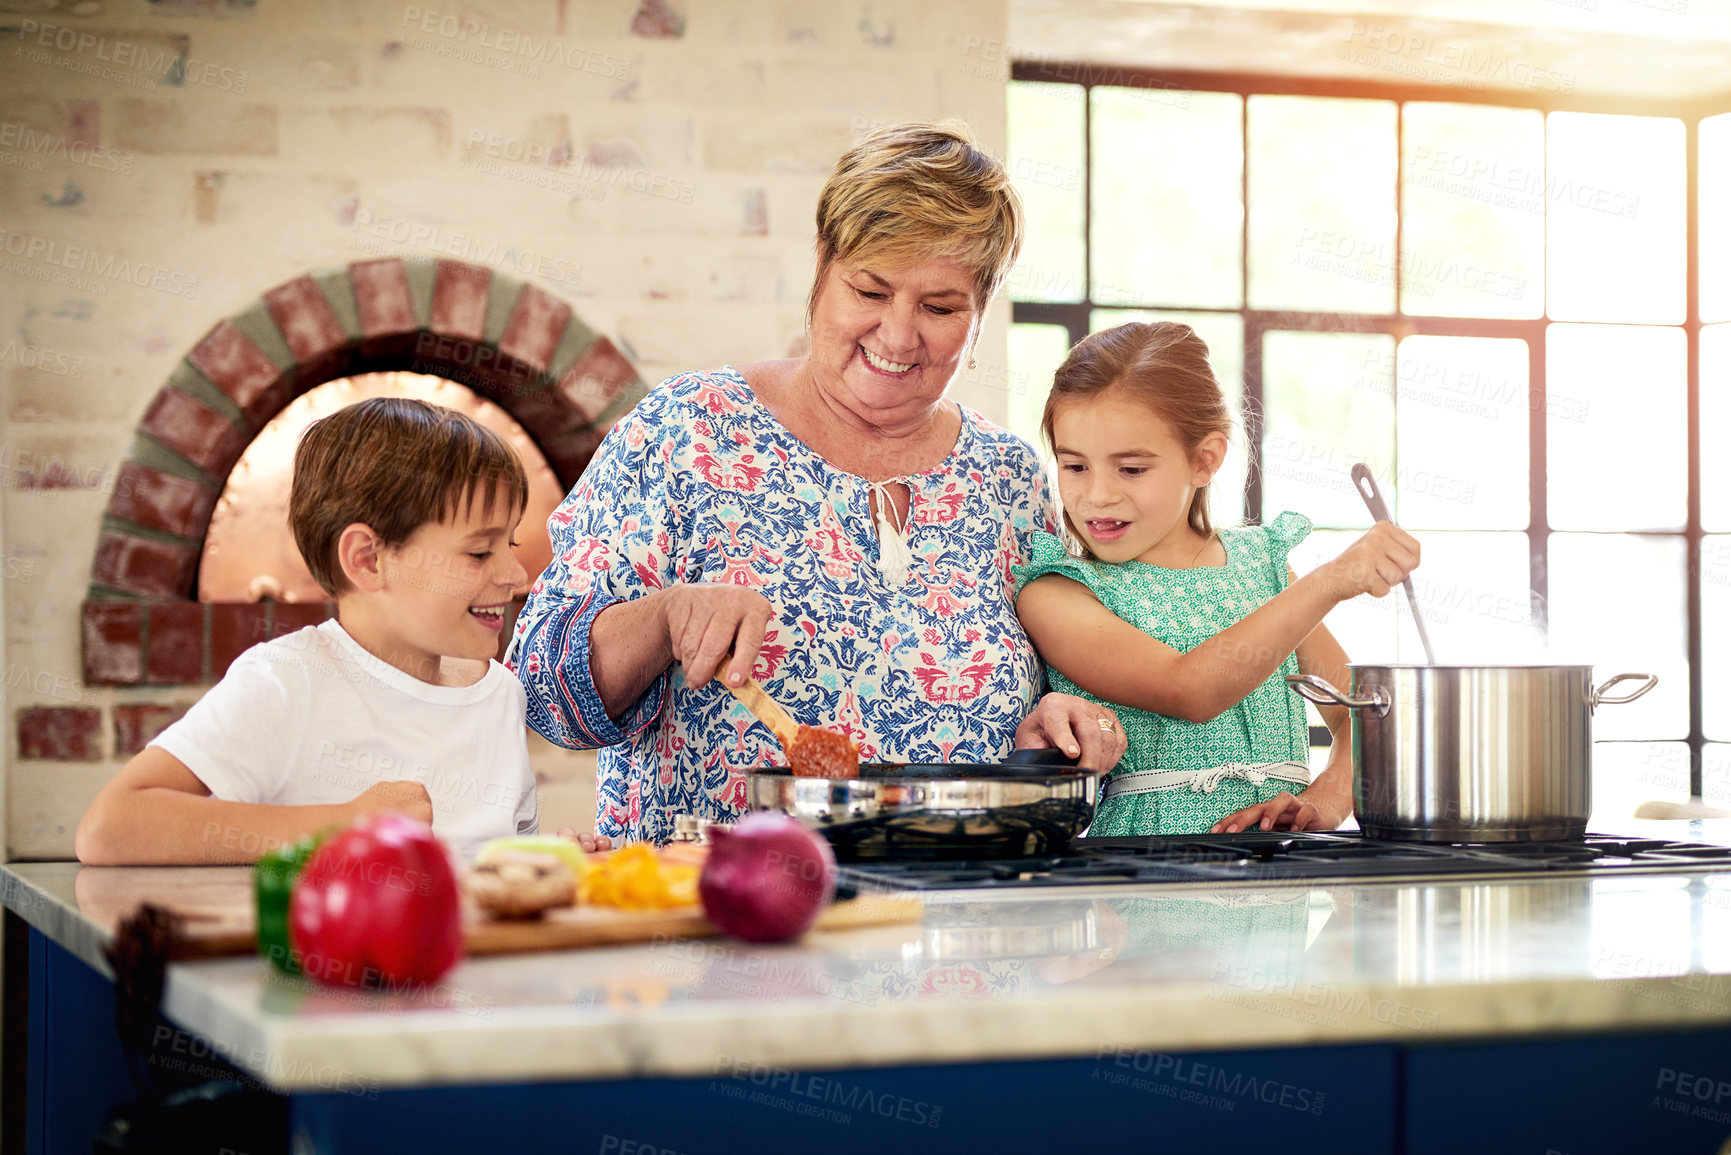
(1020,974)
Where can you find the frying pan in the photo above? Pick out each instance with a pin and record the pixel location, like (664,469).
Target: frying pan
(1033,803)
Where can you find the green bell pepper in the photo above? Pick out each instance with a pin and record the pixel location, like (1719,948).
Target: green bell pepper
(273,882)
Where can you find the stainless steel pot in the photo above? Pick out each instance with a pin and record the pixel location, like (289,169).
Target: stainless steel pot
(946,810)
(1472,753)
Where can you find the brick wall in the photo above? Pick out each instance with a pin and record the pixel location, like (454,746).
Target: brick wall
(653,164)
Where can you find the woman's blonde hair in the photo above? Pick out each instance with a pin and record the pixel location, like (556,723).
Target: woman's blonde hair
(1162,364)
(910,192)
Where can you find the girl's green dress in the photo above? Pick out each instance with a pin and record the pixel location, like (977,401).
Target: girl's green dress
(1184,608)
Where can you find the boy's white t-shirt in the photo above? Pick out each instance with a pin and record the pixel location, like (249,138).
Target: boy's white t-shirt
(312,718)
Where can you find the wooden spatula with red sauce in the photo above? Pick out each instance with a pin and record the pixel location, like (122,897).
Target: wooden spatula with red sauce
(812,751)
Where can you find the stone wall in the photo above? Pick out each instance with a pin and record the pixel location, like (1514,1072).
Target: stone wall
(163,163)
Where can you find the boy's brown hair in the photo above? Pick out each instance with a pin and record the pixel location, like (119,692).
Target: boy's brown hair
(394,464)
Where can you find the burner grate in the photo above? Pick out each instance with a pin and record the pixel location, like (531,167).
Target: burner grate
(1280,857)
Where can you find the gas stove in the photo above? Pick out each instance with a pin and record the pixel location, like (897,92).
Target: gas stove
(1278,857)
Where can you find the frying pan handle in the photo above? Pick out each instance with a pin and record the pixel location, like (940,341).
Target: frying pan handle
(1599,698)
(1323,693)
(1039,756)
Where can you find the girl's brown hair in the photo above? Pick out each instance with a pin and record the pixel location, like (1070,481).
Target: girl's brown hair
(1164,365)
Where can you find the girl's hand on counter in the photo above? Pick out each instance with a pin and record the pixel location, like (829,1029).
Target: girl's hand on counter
(1282,812)
(1308,810)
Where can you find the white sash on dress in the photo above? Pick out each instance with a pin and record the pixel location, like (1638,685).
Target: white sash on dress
(1205,781)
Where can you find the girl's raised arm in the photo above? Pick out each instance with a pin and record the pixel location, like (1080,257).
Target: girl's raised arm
(1113,660)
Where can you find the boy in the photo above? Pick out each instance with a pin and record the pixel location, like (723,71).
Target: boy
(404,513)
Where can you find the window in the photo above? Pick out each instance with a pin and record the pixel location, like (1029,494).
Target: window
(1518,314)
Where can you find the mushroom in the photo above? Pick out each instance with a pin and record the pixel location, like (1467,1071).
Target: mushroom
(521,884)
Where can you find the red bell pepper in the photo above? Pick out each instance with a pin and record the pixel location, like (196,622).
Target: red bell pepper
(378,905)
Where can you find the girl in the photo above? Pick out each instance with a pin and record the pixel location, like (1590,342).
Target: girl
(1187,632)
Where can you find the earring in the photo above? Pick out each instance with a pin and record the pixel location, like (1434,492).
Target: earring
(972,364)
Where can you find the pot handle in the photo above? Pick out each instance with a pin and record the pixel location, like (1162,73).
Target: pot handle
(1599,698)
(1324,693)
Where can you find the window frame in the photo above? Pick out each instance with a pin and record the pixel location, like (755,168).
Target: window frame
(1074,316)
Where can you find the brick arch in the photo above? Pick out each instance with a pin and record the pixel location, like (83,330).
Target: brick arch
(508,340)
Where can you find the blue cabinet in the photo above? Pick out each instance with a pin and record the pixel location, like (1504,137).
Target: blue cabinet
(1625,1095)
(1330,1100)
(1618,1095)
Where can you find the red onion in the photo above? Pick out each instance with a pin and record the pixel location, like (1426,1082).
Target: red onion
(766,878)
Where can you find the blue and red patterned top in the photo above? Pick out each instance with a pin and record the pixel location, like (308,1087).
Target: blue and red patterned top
(700,483)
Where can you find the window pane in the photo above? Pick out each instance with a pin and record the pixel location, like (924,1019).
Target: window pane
(1617,605)
(1168,218)
(1474,590)
(1313,430)
(1364,626)
(1715,218)
(1045,164)
(1473,237)
(1626,774)
(1461,408)
(1036,351)
(1224,333)
(1615,193)
(1322,219)
(1715,426)
(1615,425)
(1715,629)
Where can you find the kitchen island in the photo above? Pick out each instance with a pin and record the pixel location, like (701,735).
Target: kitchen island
(1565,1014)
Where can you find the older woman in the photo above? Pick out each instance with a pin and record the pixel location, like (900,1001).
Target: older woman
(833,521)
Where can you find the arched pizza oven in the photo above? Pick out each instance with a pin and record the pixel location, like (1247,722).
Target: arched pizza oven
(508,341)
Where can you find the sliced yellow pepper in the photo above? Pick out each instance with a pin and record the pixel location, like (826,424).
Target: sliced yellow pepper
(636,879)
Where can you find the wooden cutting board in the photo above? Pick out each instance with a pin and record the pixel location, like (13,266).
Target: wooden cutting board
(225,928)
(584,926)
(569,928)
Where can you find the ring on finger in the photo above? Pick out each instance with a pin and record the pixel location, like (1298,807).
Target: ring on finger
(1107,724)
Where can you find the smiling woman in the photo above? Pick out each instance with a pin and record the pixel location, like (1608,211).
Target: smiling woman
(833,525)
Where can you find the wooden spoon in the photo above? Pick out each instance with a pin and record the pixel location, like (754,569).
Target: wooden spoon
(767,709)
(812,751)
